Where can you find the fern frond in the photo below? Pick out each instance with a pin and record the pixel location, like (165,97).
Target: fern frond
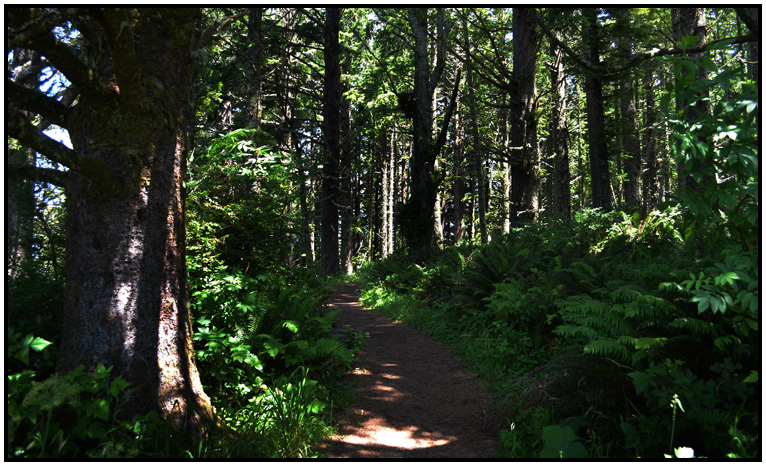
(694,326)
(726,341)
(325,349)
(608,348)
(717,417)
(574,331)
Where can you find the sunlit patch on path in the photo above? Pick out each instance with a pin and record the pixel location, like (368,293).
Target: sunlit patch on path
(412,397)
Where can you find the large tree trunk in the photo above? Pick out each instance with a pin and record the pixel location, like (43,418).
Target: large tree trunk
(601,188)
(331,128)
(126,294)
(632,160)
(524,155)
(631,150)
(419,208)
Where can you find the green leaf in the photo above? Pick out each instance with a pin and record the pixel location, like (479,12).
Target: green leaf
(39,344)
(560,442)
(640,381)
(752,378)
(101,410)
(706,62)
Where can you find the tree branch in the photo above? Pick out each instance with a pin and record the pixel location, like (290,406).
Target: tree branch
(27,24)
(209,34)
(636,58)
(64,60)
(30,136)
(119,35)
(442,138)
(47,175)
(25,98)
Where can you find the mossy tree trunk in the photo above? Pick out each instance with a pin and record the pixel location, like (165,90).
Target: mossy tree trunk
(126,299)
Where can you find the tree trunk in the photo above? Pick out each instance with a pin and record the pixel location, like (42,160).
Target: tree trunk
(390,238)
(524,155)
(346,232)
(126,295)
(20,204)
(476,146)
(632,160)
(330,264)
(254,55)
(561,177)
(419,208)
(505,168)
(458,187)
(385,148)
(650,181)
(601,189)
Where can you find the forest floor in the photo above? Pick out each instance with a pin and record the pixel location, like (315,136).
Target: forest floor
(412,398)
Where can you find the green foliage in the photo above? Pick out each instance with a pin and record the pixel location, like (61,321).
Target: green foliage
(65,415)
(265,357)
(238,191)
(587,330)
(719,150)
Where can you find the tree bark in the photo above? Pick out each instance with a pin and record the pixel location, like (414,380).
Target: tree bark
(505,168)
(419,207)
(476,147)
(631,150)
(525,182)
(126,299)
(418,212)
(330,264)
(20,204)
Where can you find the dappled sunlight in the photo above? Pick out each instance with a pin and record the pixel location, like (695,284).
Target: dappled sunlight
(409,438)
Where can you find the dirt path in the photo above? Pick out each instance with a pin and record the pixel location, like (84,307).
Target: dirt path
(412,397)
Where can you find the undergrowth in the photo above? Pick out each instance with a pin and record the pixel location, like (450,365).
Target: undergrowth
(585,333)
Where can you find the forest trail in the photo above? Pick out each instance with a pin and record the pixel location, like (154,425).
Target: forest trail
(412,398)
